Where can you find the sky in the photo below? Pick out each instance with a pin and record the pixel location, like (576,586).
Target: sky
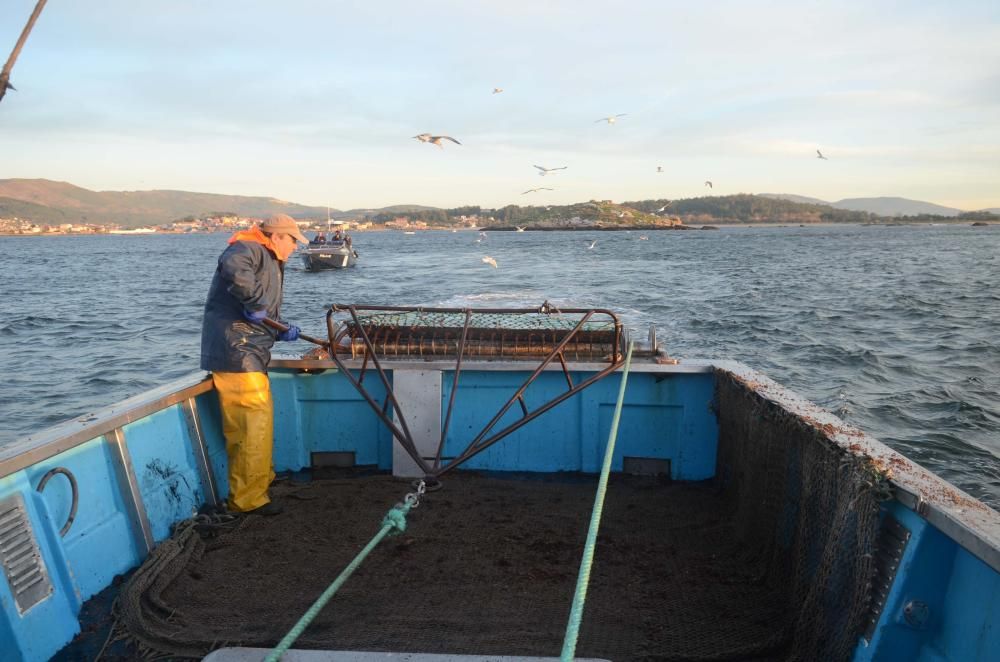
(317,102)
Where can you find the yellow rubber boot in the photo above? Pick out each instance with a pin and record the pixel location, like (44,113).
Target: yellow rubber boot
(248,426)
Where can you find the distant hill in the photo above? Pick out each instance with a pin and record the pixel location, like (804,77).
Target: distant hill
(50,202)
(880,206)
(392,209)
(895,207)
(46,201)
(11,208)
(804,199)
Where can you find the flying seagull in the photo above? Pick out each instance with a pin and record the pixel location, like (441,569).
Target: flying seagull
(610,119)
(532,190)
(490,261)
(709,184)
(591,244)
(819,155)
(434,140)
(660,210)
(544,171)
(520,228)
(497,90)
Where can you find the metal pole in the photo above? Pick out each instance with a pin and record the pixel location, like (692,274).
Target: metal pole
(5,73)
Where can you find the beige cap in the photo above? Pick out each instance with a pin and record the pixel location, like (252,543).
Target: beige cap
(283,223)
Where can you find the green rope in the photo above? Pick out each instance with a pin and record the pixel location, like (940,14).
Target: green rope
(394,522)
(576,613)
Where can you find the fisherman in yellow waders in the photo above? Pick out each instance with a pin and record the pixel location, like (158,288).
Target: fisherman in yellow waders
(236,348)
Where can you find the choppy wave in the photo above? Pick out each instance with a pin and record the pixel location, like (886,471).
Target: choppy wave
(892,329)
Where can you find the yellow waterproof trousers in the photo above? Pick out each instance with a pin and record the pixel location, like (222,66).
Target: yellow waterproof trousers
(248,426)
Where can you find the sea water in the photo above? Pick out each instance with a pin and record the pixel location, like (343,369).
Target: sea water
(893,328)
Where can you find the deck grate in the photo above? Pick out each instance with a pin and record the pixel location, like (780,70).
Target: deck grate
(20,556)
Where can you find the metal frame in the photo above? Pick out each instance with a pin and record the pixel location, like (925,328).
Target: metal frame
(483,440)
(130,487)
(193,422)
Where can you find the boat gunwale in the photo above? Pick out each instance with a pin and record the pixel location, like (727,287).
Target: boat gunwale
(968,521)
(78,430)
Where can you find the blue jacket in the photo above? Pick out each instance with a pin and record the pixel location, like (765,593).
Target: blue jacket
(249,277)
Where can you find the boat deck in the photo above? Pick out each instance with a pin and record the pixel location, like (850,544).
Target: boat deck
(488,565)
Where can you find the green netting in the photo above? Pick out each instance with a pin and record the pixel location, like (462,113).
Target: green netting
(505,321)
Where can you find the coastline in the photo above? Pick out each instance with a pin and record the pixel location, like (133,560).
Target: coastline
(543,228)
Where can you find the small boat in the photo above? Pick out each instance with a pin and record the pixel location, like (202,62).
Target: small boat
(330,250)
(740,521)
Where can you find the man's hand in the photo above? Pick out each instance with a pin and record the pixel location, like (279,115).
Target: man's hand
(255,316)
(292,333)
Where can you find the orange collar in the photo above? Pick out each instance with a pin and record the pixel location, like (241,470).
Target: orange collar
(255,235)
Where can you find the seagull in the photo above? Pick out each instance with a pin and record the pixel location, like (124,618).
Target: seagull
(592,244)
(520,228)
(660,210)
(482,233)
(544,171)
(819,155)
(610,119)
(490,261)
(532,190)
(643,237)
(708,184)
(497,90)
(434,140)
(621,214)
(659,168)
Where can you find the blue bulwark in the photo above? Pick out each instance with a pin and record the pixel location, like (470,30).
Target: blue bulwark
(665,417)
(941,604)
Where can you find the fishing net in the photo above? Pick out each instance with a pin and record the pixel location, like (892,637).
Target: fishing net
(507,335)
(807,512)
(769,561)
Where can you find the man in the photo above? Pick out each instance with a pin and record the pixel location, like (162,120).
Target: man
(236,348)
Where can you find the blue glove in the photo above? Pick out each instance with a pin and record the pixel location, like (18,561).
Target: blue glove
(255,316)
(291,334)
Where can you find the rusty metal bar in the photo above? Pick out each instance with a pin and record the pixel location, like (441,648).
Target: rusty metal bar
(390,396)
(364,367)
(565,368)
(422,309)
(278,326)
(473,451)
(454,389)
(404,436)
(433,337)
(534,375)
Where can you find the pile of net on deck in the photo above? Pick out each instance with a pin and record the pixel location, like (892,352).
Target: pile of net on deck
(771,560)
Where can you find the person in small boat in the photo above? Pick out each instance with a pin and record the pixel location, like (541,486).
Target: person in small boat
(337,236)
(236,348)
(320,238)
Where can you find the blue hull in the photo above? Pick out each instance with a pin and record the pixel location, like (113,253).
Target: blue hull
(147,463)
